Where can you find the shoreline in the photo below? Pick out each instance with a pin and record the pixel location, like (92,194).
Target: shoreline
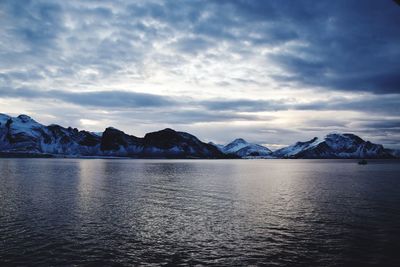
(11,155)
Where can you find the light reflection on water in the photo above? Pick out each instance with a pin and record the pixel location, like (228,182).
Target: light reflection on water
(187,212)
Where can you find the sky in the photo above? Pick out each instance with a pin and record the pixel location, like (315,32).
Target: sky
(272,72)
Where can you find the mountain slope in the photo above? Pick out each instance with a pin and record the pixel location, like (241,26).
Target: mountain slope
(334,145)
(242,148)
(293,150)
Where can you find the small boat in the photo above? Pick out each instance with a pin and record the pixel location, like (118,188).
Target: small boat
(363,162)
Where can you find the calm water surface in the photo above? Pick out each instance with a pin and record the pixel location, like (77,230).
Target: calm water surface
(199,212)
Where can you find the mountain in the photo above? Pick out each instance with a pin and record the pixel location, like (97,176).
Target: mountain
(242,148)
(334,145)
(24,136)
(166,143)
(170,143)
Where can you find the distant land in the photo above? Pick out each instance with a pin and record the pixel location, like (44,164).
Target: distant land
(22,136)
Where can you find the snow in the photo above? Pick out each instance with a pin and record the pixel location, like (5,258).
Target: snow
(298,147)
(252,149)
(242,148)
(235,146)
(26,126)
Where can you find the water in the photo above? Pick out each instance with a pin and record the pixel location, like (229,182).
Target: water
(206,212)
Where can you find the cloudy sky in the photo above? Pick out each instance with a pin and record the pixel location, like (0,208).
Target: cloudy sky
(273,72)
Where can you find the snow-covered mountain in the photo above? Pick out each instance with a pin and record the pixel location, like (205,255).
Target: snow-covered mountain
(242,148)
(334,145)
(23,135)
(234,146)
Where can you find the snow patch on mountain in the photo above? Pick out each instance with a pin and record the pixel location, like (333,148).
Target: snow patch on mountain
(234,146)
(296,148)
(242,148)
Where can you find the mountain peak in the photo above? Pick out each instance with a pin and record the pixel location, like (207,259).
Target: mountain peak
(242,148)
(235,146)
(239,141)
(167,130)
(342,135)
(25,118)
(112,129)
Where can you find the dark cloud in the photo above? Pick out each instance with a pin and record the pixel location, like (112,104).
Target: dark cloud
(350,46)
(141,107)
(40,23)
(104,99)
(388,124)
(386,104)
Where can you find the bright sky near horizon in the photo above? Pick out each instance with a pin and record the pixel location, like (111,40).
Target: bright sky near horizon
(272,72)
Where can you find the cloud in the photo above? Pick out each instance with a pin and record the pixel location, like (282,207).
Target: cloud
(141,107)
(244,105)
(342,46)
(38,24)
(351,46)
(385,104)
(186,116)
(192,45)
(104,99)
(203,61)
(386,124)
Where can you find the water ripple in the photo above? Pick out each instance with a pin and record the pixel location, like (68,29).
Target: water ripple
(185,213)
